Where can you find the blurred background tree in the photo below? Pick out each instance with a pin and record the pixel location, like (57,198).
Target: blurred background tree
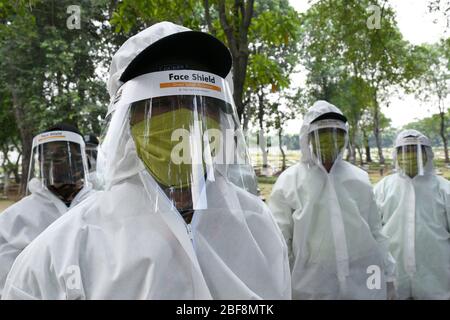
(50,73)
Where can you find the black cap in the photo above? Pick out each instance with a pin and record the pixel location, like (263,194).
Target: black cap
(64,127)
(331,115)
(201,51)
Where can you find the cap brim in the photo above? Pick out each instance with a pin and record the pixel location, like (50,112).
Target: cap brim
(208,51)
(331,115)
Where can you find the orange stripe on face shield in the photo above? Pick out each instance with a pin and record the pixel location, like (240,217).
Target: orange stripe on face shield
(189,84)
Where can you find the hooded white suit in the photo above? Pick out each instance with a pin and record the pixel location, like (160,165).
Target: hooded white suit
(22,222)
(331,225)
(416,218)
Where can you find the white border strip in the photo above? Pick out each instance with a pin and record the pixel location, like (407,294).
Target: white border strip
(413,141)
(51,136)
(172,83)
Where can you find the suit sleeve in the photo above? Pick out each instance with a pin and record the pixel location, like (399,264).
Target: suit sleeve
(282,212)
(8,254)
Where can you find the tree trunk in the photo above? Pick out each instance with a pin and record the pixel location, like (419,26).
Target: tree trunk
(26,136)
(262,138)
(283,155)
(237,38)
(5,182)
(444,136)
(352,146)
(361,160)
(376,130)
(244,122)
(5,172)
(367,147)
(239,74)
(208,20)
(15,169)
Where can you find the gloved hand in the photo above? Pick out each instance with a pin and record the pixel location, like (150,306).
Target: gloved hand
(391,291)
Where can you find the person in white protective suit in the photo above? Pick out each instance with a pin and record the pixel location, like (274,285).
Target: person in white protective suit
(170,224)
(57,182)
(415,208)
(326,211)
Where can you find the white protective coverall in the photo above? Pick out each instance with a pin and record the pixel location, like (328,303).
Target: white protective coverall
(416,218)
(129,241)
(22,222)
(331,225)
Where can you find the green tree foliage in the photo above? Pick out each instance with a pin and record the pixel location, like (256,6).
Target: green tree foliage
(261,36)
(433,85)
(339,45)
(50,72)
(430,126)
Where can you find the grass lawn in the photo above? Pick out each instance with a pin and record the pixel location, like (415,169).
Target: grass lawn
(265,185)
(375,171)
(5,204)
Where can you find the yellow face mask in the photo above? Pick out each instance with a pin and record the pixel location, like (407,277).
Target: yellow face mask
(154,145)
(408,160)
(329,144)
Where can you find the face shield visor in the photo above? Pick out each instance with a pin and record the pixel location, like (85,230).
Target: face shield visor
(412,157)
(100,152)
(327,141)
(187,135)
(58,161)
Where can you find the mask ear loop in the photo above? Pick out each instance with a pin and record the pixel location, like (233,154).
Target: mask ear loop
(420,160)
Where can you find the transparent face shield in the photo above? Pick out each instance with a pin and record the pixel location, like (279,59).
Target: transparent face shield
(412,159)
(59,163)
(187,135)
(327,141)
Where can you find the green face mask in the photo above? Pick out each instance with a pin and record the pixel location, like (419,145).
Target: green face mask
(329,144)
(156,148)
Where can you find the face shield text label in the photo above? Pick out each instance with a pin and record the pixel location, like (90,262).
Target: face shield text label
(193,77)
